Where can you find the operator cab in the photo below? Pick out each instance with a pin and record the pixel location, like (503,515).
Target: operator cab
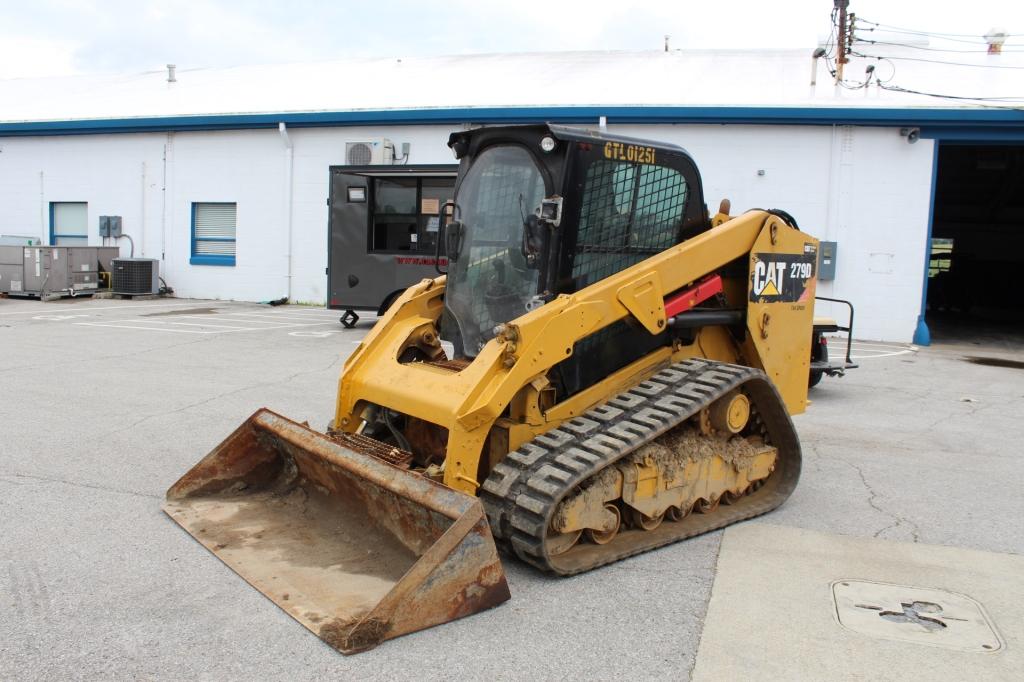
(544,210)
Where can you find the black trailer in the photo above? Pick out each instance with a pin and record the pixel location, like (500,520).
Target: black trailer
(382,233)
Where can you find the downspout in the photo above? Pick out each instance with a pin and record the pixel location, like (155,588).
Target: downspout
(44,229)
(142,213)
(288,156)
(163,205)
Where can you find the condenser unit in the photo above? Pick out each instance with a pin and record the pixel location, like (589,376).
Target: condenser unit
(135,276)
(370,153)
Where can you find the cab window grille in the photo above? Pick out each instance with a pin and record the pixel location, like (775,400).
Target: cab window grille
(629,212)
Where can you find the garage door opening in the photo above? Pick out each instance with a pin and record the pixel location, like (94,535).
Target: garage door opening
(977,248)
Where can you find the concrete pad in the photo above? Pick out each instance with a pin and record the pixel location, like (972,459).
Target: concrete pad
(773,610)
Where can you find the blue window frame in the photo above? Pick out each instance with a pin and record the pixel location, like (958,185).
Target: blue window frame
(69,223)
(213,232)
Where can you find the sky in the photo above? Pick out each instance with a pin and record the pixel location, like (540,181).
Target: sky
(62,37)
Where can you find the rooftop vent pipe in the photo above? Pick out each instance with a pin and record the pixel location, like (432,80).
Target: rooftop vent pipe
(170,73)
(815,56)
(995,37)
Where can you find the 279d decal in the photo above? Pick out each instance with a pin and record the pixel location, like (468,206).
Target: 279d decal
(781,277)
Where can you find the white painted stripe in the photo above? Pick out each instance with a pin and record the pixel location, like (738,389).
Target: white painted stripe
(150,329)
(48,309)
(215,326)
(892,346)
(221,318)
(288,316)
(315,311)
(880,355)
(278,321)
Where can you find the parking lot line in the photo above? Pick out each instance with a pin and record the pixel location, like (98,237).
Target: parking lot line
(222,318)
(248,317)
(213,326)
(217,324)
(152,329)
(281,315)
(57,308)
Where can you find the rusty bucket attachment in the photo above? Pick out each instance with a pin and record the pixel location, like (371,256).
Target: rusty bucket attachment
(355,549)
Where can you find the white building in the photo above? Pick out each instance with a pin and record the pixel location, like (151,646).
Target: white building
(262,139)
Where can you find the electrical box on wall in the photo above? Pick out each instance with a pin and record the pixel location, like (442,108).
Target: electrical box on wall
(110,226)
(827,260)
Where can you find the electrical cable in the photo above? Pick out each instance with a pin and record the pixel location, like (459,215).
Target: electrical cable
(132,242)
(922,47)
(988,102)
(932,33)
(979,41)
(935,61)
(980,101)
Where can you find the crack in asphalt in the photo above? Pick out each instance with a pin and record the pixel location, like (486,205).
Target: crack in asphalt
(897,520)
(75,484)
(973,409)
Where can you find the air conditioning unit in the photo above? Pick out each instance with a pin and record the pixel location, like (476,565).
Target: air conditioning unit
(135,276)
(370,153)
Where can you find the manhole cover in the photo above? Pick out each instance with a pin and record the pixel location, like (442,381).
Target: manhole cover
(914,614)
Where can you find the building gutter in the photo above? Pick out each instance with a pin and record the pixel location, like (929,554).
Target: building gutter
(1009,122)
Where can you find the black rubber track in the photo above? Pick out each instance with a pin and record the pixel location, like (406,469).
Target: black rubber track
(524,489)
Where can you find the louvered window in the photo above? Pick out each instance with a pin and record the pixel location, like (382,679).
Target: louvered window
(213,233)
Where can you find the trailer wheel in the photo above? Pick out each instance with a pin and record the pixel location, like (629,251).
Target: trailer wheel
(349,319)
(386,303)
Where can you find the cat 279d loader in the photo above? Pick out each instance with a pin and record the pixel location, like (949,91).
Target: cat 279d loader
(603,369)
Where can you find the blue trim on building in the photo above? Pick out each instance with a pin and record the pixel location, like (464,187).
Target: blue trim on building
(974,135)
(206,258)
(212,260)
(922,336)
(933,122)
(53,236)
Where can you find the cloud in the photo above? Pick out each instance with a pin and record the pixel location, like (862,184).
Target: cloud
(47,37)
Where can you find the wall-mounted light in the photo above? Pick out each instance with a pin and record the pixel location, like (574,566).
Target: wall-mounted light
(912,134)
(357,195)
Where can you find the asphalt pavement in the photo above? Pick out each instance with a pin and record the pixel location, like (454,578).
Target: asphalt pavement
(104,404)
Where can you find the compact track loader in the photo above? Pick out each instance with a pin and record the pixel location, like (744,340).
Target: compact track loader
(603,369)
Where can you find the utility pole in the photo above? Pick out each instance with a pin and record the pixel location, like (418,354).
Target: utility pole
(842,47)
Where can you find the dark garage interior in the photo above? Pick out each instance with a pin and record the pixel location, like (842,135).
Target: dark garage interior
(977,249)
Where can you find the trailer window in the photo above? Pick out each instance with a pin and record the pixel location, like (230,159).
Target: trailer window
(405,213)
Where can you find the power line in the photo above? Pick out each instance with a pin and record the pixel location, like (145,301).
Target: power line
(935,61)
(979,40)
(980,101)
(933,33)
(922,47)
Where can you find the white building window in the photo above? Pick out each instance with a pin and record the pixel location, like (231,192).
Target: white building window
(213,233)
(69,223)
